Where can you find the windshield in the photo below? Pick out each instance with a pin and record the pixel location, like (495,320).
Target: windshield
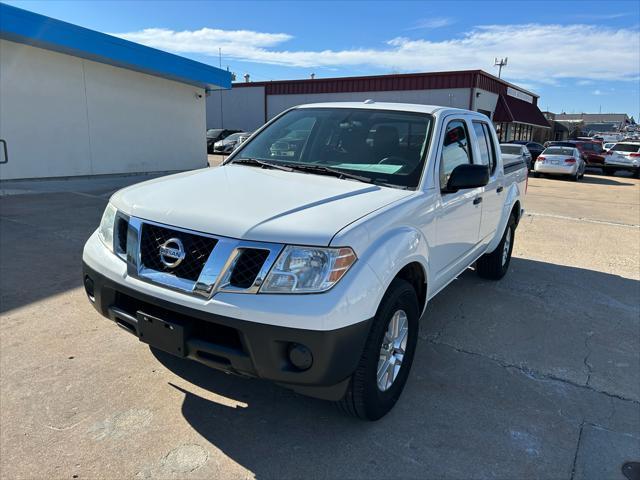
(626,147)
(233,137)
(213,133)
(558,151)
(379,145)
(510,149)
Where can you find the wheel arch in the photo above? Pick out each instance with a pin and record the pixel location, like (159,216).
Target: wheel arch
(401,253)
(415,274)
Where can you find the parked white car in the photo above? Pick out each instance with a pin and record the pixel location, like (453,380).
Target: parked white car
(311,266)
(515,152)
(607,146)
(560,160)
(623,156)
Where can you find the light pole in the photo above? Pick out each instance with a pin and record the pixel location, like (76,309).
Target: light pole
(500,64)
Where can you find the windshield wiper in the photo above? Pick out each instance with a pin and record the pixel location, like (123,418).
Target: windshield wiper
(340,174)
(328,171)
(261,163)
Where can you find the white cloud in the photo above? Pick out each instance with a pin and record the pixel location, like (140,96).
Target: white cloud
(434,22)
(597,92)
(537,53)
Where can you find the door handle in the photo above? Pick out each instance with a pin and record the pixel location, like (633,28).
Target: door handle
(500,189)
(5,154)
(477,200)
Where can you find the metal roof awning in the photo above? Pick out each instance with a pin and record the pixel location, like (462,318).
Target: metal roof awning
(510,109)
(22,26)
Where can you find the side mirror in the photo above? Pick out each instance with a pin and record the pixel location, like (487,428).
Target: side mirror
(467,176)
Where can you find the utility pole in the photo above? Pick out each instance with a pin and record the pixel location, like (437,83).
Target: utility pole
(500,64)
(220,57)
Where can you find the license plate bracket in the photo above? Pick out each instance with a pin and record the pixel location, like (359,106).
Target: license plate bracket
(162,334)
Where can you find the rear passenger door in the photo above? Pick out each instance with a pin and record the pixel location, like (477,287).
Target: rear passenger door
(493,196)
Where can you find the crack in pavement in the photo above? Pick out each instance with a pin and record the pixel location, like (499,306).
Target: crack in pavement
(586,358)
(532,373)
(575,456)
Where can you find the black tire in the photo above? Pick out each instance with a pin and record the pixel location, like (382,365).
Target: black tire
(490,265)
(537,175)
(636,173)
(608,171)
(364,399)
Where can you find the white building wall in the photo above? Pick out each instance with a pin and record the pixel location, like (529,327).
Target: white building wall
(485,101)
(242,108)
(64,116)
(455,97)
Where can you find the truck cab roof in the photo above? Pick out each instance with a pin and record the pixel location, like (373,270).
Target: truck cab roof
(402,107)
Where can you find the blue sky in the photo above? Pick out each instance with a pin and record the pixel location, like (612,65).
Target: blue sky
(577,55)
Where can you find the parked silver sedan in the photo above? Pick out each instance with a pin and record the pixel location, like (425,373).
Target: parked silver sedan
(514,152)
(560,161)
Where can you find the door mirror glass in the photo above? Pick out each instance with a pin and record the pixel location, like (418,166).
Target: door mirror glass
(467,176)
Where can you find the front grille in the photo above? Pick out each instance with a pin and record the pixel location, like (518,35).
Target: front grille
(247,267)
(121,235)
(197,249)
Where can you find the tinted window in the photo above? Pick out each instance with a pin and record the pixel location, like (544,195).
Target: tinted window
(483,144)
(385,146)
(510,149)
(492,147)
(625,147)
(455,150)
(233,136)
(558,151)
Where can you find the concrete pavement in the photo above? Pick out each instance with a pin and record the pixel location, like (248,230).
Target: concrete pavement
(535,376)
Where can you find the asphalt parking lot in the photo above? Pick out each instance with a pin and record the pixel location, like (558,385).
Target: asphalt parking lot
(535,376)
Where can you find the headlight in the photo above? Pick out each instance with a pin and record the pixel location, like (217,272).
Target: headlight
(308,269)
(105,231)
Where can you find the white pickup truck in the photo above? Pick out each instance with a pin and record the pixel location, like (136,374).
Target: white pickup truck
(310,255)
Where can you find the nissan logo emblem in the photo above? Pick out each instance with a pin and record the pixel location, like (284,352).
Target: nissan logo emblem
(172,253)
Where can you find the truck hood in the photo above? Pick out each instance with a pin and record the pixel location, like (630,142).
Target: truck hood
(251,203)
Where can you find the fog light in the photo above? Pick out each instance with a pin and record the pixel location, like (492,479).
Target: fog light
(89,288)
(300,356)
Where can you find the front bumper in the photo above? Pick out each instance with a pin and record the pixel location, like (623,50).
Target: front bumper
(239,346)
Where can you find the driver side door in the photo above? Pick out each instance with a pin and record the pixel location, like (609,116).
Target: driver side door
(459,213)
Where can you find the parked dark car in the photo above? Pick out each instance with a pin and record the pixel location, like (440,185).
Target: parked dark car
(228,144)
(217,134)
(591,152)
(534,148)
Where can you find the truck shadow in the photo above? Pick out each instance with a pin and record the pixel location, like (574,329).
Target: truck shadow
(459,411)
(600,180)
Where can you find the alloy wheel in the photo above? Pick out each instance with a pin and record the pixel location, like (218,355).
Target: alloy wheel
(394,344)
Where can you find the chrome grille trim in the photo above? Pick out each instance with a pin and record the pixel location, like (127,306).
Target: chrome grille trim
(216,271)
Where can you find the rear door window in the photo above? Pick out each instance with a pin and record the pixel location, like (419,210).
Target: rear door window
(626,147)
(485,145)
